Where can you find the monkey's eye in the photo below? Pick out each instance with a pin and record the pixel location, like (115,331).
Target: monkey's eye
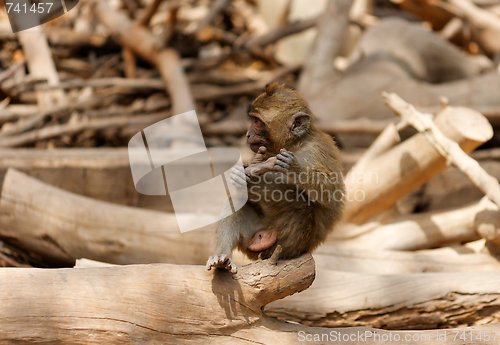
(254,119)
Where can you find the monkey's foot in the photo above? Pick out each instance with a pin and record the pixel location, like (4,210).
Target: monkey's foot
(221,261)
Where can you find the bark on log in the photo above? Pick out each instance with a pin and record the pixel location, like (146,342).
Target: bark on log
(62,227)
(409,165)
(406,301)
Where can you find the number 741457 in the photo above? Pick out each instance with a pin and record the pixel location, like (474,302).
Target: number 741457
(39,8)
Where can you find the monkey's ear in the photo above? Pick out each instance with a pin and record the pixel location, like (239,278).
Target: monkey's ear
(273,87)
(300,123)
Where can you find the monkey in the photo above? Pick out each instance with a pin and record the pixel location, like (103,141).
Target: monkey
(294,183)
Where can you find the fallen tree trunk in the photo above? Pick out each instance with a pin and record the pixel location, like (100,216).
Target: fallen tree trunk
(366,260)
(385,62)
(402,301)
(62,227)
(144,303)
(419,231)
(100,173)
(82,227)
(171,304)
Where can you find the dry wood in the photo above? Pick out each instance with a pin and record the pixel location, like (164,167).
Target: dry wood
(375,261)
(332,28)
(419,231)
(77,126)
(487,224)
(103,174)
(485,25)
(41,65)
(167,61)
(407,166)
(401,301)
(100,173)
(452,188)
(272,36)
(388,63)
(141,41)
(62,227)
(221,308)
(172,303)
(149,12)
(446,147)
(387,139)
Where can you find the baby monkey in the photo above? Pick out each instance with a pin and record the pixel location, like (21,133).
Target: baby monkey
(294,182)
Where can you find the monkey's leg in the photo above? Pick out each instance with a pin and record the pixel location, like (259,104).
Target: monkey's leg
(233,231)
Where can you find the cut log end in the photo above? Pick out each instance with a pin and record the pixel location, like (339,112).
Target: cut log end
(465,123)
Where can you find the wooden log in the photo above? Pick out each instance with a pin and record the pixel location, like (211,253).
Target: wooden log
(485,24)
(98,173)
(420,231)
(448,148)
(452,189)
(167,61)
(169,304)
(409,165)
(62,227)
(387,139)
(102,173)
(332,29)
(402,301)
(375,261)
(394,66)
(41,65)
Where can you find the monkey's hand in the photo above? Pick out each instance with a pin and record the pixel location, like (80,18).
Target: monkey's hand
(258,169)
(221,261)
(238,177)
(259,156)
(284,161)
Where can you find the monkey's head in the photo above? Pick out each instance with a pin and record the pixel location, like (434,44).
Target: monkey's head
(279,119)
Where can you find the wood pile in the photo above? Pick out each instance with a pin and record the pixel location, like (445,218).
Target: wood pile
(409,88)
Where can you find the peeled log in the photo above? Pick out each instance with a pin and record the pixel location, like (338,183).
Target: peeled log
(419,231)
(171,304)
(410,164)
(161,303)
(62,227)
(400,301)
(366,260)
